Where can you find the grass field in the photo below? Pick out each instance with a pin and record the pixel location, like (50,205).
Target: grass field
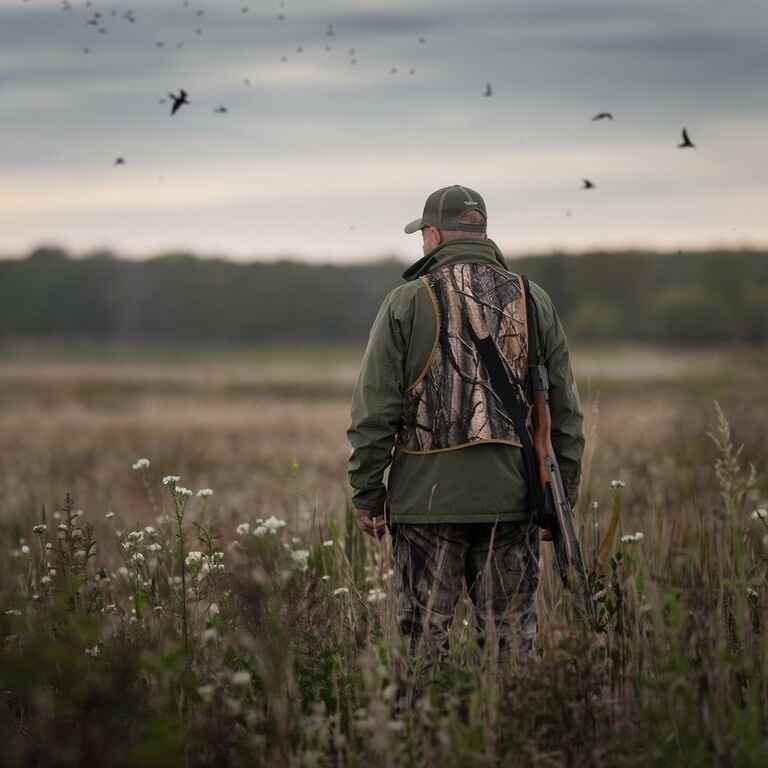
(288,670)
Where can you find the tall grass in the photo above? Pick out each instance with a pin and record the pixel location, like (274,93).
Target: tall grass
(196,642)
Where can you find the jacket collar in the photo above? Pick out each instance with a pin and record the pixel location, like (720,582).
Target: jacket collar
(456,251)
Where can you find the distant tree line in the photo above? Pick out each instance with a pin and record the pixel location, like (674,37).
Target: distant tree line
(705,297)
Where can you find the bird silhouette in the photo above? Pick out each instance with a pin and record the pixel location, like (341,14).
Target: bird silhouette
(488,90)
(602,116)
(222,110)
(587,184)
(686,143)
(422,40)
(178,101)
(119,161)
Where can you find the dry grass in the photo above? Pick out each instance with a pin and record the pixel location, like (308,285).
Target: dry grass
(268,434)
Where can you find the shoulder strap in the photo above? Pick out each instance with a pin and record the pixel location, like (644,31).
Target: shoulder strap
(538,379)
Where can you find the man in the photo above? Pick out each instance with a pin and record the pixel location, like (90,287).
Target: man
(456,496)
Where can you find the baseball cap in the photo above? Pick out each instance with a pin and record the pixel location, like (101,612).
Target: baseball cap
(445,207)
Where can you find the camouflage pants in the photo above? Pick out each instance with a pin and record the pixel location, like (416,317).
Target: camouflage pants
(499,564)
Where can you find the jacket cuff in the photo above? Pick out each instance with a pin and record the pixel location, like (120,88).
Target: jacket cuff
(372,502)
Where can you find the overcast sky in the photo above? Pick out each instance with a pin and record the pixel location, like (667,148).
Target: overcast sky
(320,158)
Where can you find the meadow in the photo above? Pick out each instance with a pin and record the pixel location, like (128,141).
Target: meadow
(145,624)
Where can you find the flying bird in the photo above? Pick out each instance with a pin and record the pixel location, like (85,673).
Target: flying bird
(602,116)
(686,143)
(222,110)
(178,101)
(587,184)
(488,90)
(119,161)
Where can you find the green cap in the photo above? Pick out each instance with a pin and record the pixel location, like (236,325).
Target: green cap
(445,207)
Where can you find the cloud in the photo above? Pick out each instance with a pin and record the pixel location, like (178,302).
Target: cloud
(333,143)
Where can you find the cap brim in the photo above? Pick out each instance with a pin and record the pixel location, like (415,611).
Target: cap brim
(414,226)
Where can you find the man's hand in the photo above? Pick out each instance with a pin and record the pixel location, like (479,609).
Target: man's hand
(367,523)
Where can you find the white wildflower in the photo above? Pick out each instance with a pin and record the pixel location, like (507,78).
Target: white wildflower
(45,580)
(136,537)
(300,557)
(181,491)
(94,652)
(209,635)
(376,595)
(273,524)
(155,547)
(51,572)
(295,540)
(49,546)
(109,515)
(328,543)
(13,612)
(40,529)
(123,571)
(206,692)
(633,538)
(77,513)
(204,493)
(387,575)
(194,559)
(752,592)
(260,530)
(325,578)
(171,479)
(760,514)
(141,464)
(341,591)
(63,527)
(137,558)
(243,529)
(213,609)
(241,677)
(149,530)
(25,549)
(618,484)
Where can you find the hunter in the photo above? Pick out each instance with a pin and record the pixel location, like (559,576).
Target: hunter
(456,500)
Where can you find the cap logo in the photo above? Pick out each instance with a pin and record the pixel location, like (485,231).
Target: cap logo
(470,202)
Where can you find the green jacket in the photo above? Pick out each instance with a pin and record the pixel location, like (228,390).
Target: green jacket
(480,483)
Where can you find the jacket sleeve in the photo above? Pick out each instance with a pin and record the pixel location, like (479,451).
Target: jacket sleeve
(564,403)
(377,404)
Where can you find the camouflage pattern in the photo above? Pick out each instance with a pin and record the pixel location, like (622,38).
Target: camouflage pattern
(452,405)
(499,563)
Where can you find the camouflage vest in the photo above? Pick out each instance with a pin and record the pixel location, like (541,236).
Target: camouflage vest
(452,405)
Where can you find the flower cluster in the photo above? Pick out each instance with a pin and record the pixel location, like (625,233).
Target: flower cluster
(618,484)
(201,564)
(376,595)
(760,514)
(633,538)
(141,464)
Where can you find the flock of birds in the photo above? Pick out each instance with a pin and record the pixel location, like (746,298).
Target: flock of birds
(98,21)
